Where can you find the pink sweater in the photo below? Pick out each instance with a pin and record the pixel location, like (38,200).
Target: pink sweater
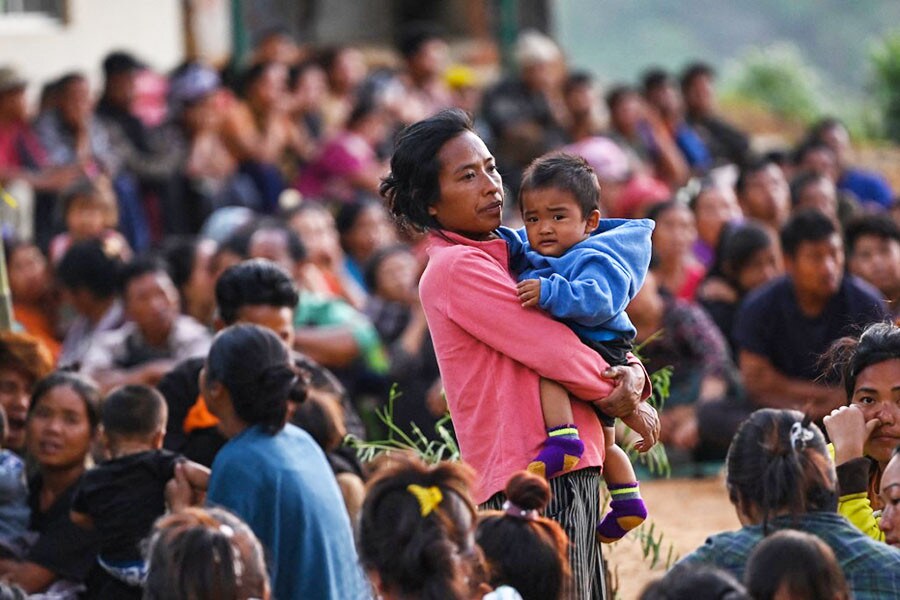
(492,354)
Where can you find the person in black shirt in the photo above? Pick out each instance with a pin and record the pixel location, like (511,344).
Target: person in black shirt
(122,497)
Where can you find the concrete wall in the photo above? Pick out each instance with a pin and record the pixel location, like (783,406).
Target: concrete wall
(151,29)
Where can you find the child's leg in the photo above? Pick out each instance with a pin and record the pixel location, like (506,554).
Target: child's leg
(626,508)
(562,449)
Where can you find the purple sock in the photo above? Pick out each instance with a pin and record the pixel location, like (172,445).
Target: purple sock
(626,511)
(560,453)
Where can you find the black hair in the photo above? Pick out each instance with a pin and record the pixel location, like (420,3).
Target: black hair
(698,187)
(251,75)
(251,283)
(880,226)
(795,562)
(807,147)
(255,366)
(204,554)
(737,246)
(566,173)
(807,225)
(91,265)
(349,213)
(802,181)
(576,80)
(688,581)
(296,249)
(412,186)
(693,71)
(180,253)
(370,273)
(415,35)
(68,79)
(528,553)
(654,78)
(83,387)
(133,411)
(818,129)
(272,31)
(138,268)
(754,165)
(655,212)
(849,356)
(4,426)
(778,464)
(416,554)
(362,110)
(84,188)
(296,72)
(120,61)
(322,418)
(617,94)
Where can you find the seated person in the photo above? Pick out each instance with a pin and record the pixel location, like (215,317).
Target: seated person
(763,193)
(873,253)
(90,212)
(706,403)
(23,362)
(779,476)
(14,512)
(782,328)
(255,291)
(33,297)
(123,496)
(87,274)
(155,337)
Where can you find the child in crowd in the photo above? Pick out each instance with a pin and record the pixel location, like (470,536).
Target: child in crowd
(539,568)
(122,497)
(583,271)
(14,512)
(90,212)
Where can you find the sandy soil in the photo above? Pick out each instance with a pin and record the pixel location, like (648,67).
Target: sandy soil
(686,511)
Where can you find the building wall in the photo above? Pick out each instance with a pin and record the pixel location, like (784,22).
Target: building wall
(150,29)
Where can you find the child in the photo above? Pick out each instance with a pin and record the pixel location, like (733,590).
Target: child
(584,272)
(15,539)
(90,212)
(122,497)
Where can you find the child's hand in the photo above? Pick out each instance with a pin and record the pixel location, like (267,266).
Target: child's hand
(529,292)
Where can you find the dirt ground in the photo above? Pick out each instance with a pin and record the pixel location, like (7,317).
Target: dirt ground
(686,511)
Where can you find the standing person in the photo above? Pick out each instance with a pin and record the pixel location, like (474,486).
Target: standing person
(62,423)
(272,475)
(779,476)
(443,179)
(867,430)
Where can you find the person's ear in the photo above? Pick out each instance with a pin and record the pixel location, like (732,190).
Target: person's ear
(432,211)
(592,221)
(157,442)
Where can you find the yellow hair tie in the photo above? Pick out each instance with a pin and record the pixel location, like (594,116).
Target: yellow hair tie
(428,497)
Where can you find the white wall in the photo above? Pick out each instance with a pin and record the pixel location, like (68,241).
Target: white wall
(150,29)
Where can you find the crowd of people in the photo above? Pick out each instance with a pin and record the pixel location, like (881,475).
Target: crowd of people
(206,305)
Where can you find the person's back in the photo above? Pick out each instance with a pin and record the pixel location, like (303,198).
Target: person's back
(300,519)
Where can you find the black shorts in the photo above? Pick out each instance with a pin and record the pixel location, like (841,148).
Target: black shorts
(614,352)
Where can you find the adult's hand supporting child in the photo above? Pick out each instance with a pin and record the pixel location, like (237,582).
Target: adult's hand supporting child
(625,402)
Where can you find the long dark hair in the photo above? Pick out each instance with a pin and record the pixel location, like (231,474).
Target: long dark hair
(412,185)
(778,463)
(418,547)
(83,387)
(255,366)
(523,550)
(849,356)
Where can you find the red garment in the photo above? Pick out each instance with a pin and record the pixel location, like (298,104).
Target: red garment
(492,354)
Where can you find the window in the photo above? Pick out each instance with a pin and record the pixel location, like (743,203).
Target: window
(26,16)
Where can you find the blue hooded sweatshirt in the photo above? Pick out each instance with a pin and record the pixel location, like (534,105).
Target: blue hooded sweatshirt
(590,285)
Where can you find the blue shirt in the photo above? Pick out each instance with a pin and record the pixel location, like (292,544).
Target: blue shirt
(868,187)
(591,284)
(872,568)
(282,487)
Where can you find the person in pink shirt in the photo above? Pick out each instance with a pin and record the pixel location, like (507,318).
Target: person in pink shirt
(491,351)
